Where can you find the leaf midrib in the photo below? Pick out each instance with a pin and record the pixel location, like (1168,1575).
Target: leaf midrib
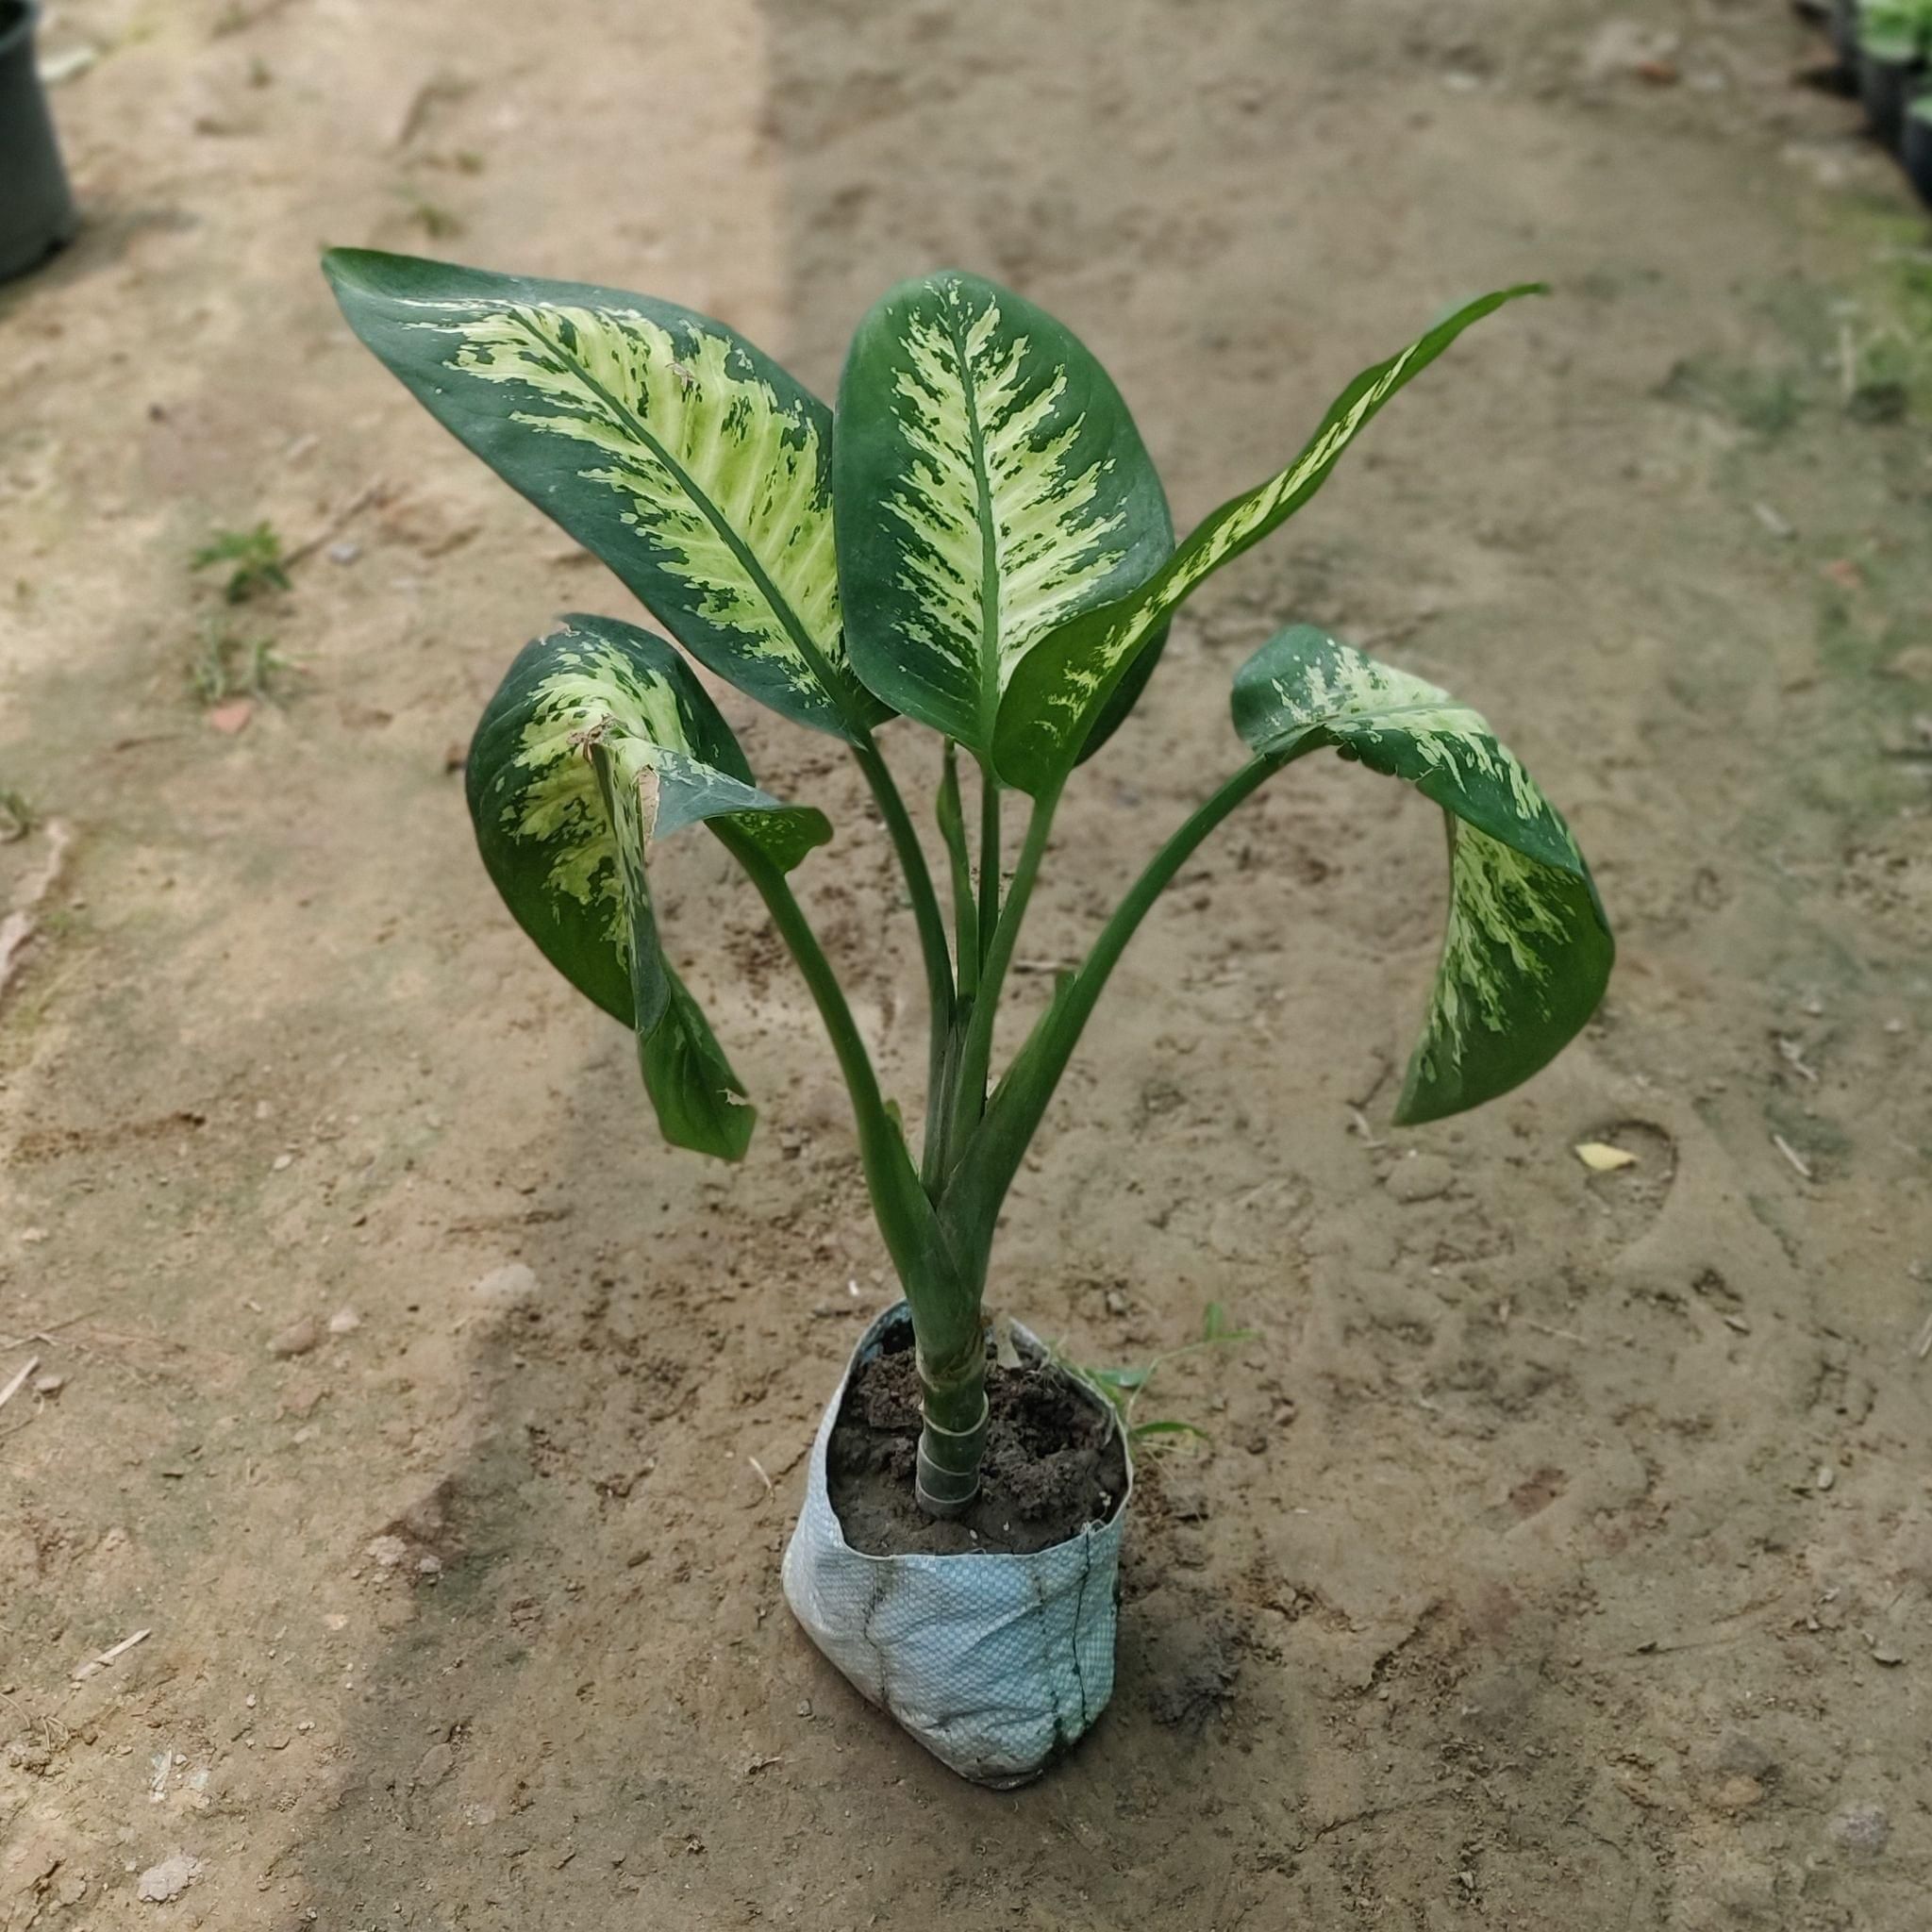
(989,538)
(1370,718)
(781,607)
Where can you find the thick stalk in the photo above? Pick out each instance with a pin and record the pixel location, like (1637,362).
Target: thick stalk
(925,915)
(975,1055)
(953,1411)
(988,1164)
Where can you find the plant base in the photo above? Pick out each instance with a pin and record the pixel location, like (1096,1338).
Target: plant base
(37,212)
(1915,151)
(996,1663)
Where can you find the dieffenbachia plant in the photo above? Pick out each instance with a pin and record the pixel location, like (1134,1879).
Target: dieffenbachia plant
(976,541)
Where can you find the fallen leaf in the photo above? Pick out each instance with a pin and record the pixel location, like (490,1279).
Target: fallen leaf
(1601,1157)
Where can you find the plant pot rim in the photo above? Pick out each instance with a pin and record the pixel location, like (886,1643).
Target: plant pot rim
(18,19)
(900,1314)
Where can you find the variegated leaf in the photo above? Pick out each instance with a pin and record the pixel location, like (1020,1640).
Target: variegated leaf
(689,463)
(599,742)
(1527,952)
(991,485)
(1068,679)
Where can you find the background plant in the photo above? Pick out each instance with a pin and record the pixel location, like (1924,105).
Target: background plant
(255,560)
(978,544)
(1899,31)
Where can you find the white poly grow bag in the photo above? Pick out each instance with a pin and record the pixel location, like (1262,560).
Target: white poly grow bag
(995,1663)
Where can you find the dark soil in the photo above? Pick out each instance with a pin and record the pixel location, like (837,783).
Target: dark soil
(1054,1463)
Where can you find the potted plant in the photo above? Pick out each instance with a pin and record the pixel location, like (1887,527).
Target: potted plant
(37,213)
(1893,39)
(976,542)
(1915,145)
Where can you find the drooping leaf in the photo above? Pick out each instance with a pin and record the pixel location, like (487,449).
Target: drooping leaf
(599,742)
(1067,678)
(699,1101)
(692,465)
(991,485)
(1528,951)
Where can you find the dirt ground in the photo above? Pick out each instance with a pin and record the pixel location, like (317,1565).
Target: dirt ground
(1562,1552)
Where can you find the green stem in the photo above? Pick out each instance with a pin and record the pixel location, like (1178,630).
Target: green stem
(989,854)
(899,1204)
(936,1157)
(925,914)
(975,1055)
(986,1164)
(952,823)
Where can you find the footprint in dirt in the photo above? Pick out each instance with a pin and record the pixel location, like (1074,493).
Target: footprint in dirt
(1626,1198)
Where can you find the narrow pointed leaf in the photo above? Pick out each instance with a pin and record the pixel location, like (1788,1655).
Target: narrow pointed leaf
(1067,680)
(1528,951)
(692,465)
(599,742)
(991,485)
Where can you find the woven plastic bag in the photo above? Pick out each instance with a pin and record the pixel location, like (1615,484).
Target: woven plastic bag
(995,1663)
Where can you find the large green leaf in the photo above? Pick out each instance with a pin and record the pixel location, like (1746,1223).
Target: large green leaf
(991,485)
(1527,953)
(1067,680)
(599,742)
(689,463)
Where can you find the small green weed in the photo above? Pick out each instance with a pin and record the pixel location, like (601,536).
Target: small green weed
(227,666)
(254,557)
(17,815)
(436,221)
(1125,1388)
(1765,402)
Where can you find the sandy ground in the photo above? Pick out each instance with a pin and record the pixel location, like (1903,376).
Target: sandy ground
(1562,1553)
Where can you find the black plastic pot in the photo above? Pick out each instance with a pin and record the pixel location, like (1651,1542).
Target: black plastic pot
(1915,148)
(1886,87)
(37,212)
(1844,32)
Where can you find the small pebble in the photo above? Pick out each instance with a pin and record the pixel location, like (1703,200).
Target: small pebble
(507,1285)
(344,1322)
(1864,1828)
(298,1337)
(1826,1475)
(282,1162)
(169,1879)
(49,1385)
